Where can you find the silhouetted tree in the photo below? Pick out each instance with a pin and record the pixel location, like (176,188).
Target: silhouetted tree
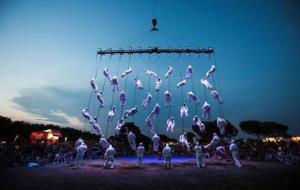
(190,136)
(122,137)
(166,139)
(252,127)
(211,127)
(274,129)
(259,129)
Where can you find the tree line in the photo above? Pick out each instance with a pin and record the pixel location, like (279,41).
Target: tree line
(9,129)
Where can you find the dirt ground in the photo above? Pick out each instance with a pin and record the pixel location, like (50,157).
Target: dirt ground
(92,175)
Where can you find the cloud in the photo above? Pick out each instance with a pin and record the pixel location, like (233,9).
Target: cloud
(53,104)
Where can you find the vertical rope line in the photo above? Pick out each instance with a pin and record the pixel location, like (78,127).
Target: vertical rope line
(125,86)
(134,95)
(111,105)
(113,97)
(219,85)
(182,104)
(193,89)
(157,92)
(157,100)
(91,93)
(103,86)
(126,79)
(214,83)
(169,88)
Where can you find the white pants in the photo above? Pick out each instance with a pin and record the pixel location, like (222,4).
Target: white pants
(139,161)
(199,161)
(235,158)
(109,162)
(79,158)
(168,161)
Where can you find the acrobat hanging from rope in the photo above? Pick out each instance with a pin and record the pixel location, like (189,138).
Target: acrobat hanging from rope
(206,111)
(168,97)
(221,124)
(126,73)
(147,101)
(169,72)
(155,112)
(184,141)
(100,99)
(152,73)
(111,114)
(149,124)
(120,124)
(86,114)
(205,82)
(94,86)
(181,83)
(114,83)
(189,72)
(192,97)
(106,74)
(197,122)
(138,83)
(217,97)
(170,124)
(131,140)
(184,111)
(157,84)
(122,98)
(97,126)
(211,71)
(130,112)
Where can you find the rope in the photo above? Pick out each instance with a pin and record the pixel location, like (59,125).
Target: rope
(214,83)
(125,86)
(154,8)
(134,96)
(102,90)
(90,96)
(157,100)
(111,105)
(204,89)
(157,91)
(169,89)
(112,101)
(193,89)
(182,119)
(130,39)
(219,85)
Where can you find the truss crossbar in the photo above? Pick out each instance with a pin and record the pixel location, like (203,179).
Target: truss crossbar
(155,50)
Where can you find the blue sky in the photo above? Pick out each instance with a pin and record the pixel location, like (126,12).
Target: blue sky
(47,55)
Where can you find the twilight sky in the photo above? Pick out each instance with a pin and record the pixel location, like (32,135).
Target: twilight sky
(47,56)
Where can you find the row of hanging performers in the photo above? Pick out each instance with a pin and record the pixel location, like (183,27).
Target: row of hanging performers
(110,162)
(183,110)
(138,83)
(170,123)
(115,84)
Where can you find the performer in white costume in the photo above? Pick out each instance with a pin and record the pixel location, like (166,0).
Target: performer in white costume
(140,155)
(199,156)
(234,152)
(109,157)
(167,153)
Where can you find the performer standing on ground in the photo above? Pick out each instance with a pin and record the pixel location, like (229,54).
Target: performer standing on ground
(167,153)
(109,157)
(199,155)
(80,150)
(234,152)
(140,155)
